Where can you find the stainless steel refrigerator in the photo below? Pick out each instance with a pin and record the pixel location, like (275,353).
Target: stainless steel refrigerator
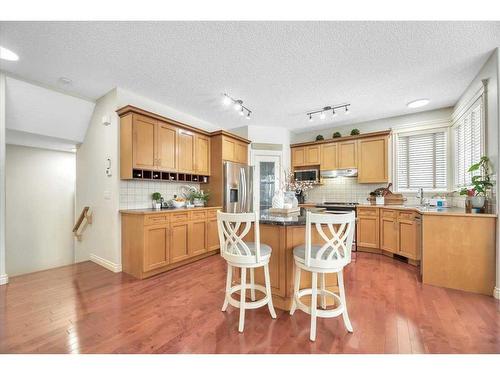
(238,187)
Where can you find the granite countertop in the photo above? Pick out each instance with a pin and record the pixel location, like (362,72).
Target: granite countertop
(297,219)
(431,210)
(142,211)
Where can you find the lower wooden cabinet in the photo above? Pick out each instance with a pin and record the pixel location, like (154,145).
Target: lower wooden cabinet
(154,242)
(156,247)
(391,230)
(180,239)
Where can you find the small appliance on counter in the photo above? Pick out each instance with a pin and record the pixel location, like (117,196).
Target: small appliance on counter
(439,202)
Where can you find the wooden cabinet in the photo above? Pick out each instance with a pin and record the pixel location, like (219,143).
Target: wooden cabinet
(154,242)
(179,239)
(186,145)
(409,229)
(234,150)
(372,160)
(144,149)
(156,247)
(307,155)
(198,237)
(166,146)
(298,156)
(202,155)
(329,156)
(368,227)
(347,154)
(151,143)
(388,230)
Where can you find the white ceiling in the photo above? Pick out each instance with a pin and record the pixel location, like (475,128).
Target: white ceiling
(280,69)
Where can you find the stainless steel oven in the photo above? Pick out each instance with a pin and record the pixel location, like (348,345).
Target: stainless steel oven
(306,175)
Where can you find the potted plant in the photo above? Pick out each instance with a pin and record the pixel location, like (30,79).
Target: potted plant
(355,132)
(481,183)
(199,198)
(157,199)
(319,137)
(337,135)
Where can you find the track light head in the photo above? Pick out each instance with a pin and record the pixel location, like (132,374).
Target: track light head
(310,117)
(248,115)
(241,112)
(334,113)
(347,112)
(238,104)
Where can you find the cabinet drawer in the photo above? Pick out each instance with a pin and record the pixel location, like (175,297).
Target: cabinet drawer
(410,215)
(211,214)
(179,217)
(388,213)
(367,211)
(155,219)
(198,215)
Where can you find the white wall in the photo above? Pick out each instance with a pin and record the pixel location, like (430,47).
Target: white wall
(490,71)
(101,239)
(40,191)
(376,125)
(3,275)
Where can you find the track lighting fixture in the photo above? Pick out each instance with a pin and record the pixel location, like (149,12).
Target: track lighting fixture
(322,112)
(237,105)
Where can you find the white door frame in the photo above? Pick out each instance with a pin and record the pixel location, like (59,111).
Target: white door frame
(264,155)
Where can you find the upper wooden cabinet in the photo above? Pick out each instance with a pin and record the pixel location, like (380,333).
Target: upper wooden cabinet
(329,156)
(150,142)
(166,146)
(307,155)
(366,152)
(185,151)
(347,154)
(144,145)
(202,154)
(372,160)
(234,150)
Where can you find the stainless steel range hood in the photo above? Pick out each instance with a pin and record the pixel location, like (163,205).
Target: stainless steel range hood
(349,172)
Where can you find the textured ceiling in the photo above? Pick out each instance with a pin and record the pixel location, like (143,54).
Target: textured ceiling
(280,69)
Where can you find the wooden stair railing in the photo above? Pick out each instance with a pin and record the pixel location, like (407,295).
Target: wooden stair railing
(84,215)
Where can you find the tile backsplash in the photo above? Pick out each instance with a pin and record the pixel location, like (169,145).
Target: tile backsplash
(137,194)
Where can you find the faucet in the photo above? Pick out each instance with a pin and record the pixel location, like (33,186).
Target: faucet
(420,194)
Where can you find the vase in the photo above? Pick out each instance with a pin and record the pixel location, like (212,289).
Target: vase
(290,200)
(278,200)
(157,205)
(477,201)
(198,202)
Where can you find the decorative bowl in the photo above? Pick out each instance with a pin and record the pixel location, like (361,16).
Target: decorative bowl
(178,204)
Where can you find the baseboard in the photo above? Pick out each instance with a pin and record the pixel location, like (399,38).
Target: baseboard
(496,292)
(4,279)
(106,263)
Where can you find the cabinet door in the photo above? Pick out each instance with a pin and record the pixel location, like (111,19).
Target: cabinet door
(408,241)
(179,247)
(389,234)
(347,154)
(144,142)
(298,156)
(329,156)
(202,155)
(212,235)
(185,151)
(228,149)
(241,152)
(197,237)
(313,155)
(372,160)
(166,145)
(368,231)
(156,247)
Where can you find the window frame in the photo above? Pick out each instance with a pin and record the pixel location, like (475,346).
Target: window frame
(440,126)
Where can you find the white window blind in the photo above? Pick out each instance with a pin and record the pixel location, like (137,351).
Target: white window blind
(421,161)
(468,144)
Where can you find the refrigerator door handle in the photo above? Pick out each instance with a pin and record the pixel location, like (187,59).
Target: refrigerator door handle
(243,188)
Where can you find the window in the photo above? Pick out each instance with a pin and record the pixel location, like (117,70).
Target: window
(421,160)
(468,142)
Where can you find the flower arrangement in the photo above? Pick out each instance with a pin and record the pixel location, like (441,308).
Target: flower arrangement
(289,183)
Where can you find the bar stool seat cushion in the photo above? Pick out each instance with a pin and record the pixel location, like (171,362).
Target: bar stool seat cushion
(299,252)
(265,250)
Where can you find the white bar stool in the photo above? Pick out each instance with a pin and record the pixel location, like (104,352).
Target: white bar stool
(331,257)
(238,253)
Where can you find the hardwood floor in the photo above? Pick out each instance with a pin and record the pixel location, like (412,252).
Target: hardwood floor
(85,308)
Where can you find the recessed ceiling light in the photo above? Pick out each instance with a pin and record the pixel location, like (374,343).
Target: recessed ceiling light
(7,54)
(418,103)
